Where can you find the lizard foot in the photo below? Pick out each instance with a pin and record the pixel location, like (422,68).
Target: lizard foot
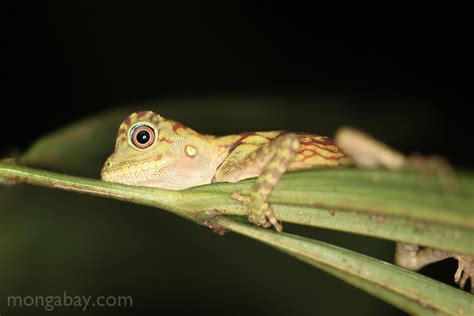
(280,152)
(260,213)
(437,166)
(465,271)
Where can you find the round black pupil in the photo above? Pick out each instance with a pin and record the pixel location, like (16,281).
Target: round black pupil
(143,137)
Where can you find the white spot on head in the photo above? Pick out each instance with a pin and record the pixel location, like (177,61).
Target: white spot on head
(190,151)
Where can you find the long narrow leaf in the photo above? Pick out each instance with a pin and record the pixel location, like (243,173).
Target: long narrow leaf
(404,289)
(446,225)
(407,290)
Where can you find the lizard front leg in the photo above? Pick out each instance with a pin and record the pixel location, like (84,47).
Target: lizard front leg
(370,153)
(270,162)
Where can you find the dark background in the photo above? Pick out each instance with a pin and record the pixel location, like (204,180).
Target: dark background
(66,61)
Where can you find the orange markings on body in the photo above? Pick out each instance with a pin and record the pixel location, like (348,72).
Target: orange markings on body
(177,126)
(166,140)
(127,121)
(306,153)
(163,139)
(122,131)
(142,114)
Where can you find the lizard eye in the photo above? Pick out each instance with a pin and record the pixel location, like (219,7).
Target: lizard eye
(142,136)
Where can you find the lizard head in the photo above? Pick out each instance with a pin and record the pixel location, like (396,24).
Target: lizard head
(152,151)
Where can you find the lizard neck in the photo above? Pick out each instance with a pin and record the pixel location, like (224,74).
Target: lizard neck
(200,158)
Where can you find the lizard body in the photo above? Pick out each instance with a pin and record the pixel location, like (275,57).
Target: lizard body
(177,157)
(157,152)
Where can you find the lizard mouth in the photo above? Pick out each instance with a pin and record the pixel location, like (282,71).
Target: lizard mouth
(133,173)
(116,174)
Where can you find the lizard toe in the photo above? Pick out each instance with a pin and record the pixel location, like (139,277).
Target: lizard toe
(273,220)
(263,216)
(464,272)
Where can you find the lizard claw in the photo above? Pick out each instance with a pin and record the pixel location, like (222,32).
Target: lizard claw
(464,272)
(273,220)
(260,214)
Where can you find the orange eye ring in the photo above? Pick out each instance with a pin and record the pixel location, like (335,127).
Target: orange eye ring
(142,136)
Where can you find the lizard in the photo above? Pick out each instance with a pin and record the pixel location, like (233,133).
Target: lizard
(154,151)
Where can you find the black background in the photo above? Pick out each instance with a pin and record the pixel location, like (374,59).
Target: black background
(64,61)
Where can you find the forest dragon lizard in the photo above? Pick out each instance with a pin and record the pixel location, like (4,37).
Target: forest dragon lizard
(157,152)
